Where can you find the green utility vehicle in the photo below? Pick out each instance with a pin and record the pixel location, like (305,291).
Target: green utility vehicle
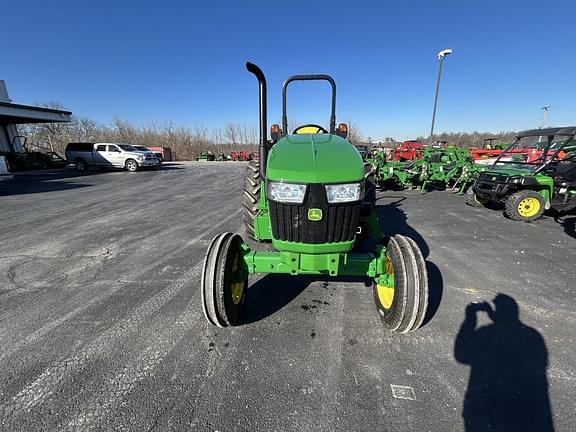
(537,172)
(308,196)
(206,156)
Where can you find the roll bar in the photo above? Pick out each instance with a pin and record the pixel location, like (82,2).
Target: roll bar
(309,78)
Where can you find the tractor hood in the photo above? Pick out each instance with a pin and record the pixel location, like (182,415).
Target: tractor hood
(314,158)
(510,171)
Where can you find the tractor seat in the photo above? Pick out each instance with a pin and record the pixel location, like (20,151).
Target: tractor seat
(449,166)
(563,183)
(565,172)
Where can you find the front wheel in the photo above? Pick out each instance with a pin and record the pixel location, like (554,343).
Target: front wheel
(131,165)
(472,200)
(525,206)
(81,165)
(224,281)
(403,301)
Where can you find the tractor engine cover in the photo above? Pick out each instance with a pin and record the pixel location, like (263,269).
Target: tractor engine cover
(315,160)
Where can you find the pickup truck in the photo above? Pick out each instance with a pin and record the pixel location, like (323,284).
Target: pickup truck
(159,155)
(112,155)
(4,169)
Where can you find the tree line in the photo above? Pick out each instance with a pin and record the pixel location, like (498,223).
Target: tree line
(472,139)
(187,143)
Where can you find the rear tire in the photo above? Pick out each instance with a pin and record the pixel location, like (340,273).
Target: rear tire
(403,307)
(131,165)
(251,196)
(472,200)
(224,281)
(524,206)
(81,165)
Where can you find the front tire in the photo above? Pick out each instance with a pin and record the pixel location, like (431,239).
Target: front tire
(402,307)
(525,206)
(131,165)
(224,281)
(472,200)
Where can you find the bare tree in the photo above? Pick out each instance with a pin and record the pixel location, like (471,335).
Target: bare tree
(231,133)
(354,135)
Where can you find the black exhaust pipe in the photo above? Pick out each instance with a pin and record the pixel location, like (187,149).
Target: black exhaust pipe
(263,150)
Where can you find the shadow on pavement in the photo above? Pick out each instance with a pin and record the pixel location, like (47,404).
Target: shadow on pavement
(270,294)
(273,292)
(508,386)
(568,222)
(569,225)
(38,183)
(168,166)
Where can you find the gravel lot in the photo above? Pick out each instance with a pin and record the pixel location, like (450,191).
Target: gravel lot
(101,326)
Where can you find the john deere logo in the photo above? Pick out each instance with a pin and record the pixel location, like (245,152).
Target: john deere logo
(315,214)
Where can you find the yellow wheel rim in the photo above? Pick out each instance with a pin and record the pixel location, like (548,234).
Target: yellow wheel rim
(529,207)
(386,293)
(236,288)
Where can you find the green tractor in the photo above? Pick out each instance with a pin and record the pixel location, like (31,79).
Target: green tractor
(537,172)
(309,196)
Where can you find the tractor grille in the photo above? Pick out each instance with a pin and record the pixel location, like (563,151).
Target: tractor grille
(290,221)
(498,178)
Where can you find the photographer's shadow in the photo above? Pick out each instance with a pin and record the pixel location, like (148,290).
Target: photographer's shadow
(508,387)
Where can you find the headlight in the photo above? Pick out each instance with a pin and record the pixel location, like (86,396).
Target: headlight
(344,192)
(514,180)
(286,192)
(141,157)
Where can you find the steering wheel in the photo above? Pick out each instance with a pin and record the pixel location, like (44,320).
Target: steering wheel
(309,128)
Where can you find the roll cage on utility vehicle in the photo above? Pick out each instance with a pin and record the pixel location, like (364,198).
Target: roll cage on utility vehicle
(536,172)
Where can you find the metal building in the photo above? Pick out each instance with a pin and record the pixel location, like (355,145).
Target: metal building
(12,114)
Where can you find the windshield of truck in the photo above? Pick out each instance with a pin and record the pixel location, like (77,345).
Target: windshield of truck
(127,147)
(530,152)
(141,148)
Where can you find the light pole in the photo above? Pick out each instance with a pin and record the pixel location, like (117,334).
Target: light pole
(544,115)
(441,55)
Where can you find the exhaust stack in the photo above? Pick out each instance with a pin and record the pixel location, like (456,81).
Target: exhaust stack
(263,147)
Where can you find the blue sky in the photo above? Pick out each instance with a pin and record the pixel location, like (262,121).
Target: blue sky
(184,61)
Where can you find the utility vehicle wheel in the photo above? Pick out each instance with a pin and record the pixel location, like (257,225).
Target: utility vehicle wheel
(402,306)
(131,165)
(81,165)
(251,196)
(525,206)
(472,199)
(224,281)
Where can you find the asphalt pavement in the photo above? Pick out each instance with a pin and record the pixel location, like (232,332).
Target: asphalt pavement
(101,326)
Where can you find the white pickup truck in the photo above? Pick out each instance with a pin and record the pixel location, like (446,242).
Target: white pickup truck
(113,155)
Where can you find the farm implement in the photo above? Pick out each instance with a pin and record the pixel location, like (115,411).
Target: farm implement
(439,167)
